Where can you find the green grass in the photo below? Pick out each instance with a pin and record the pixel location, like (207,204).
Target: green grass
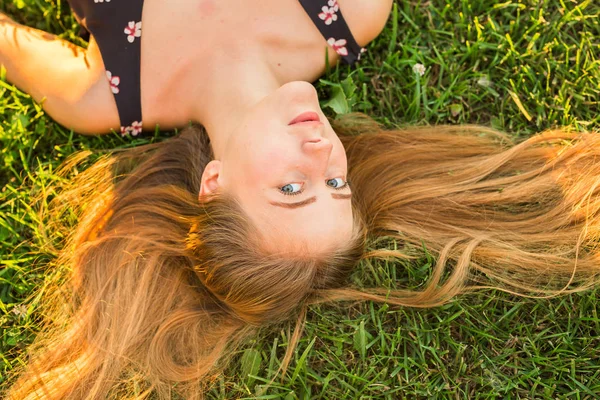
(521,66)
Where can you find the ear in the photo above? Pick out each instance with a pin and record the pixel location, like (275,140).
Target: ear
(209,183)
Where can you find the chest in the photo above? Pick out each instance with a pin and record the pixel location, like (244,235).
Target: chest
(182,36)
(174,28)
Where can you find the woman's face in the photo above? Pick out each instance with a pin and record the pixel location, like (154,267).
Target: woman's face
(288,169)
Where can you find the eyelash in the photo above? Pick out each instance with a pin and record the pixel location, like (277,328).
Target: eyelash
(291,194)
(346,186)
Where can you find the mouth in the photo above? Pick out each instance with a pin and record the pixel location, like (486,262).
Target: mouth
(308,117)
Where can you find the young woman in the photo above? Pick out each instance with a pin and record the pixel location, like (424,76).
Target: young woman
(237,68)
(185,248)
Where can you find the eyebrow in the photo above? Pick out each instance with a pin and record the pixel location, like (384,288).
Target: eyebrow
(341,196)
(308,201)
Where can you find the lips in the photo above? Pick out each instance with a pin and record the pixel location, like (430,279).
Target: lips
(306,117)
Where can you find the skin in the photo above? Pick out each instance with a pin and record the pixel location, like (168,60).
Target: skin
(244,85)
(265,154)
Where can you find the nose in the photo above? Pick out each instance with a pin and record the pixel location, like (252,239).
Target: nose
(319,149)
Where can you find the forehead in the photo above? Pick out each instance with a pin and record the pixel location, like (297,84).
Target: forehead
(322,226)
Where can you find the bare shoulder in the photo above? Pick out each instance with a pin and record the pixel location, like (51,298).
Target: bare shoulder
(366,18)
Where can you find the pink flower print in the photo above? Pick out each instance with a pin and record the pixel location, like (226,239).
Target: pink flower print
(134,129)
(114,82)
(338,45)
(133,30)
(331,3)
(329,13)
(101,1)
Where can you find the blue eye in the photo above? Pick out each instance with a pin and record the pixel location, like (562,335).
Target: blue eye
(291,189)
(336,183)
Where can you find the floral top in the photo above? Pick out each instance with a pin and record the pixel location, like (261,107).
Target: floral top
(117,28)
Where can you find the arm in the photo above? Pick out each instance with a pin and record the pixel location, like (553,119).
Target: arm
(366,18)
(66,79)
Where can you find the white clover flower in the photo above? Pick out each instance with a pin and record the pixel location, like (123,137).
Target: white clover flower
(419,68)
(20,310)
(484,81)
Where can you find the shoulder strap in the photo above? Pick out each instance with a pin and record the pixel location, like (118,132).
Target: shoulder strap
(327,17)
(117,28)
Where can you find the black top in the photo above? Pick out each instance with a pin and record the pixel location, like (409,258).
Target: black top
(117,28)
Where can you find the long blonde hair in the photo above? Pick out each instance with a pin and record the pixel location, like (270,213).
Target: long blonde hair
(154,289)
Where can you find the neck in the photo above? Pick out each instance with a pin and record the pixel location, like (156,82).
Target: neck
(235,86)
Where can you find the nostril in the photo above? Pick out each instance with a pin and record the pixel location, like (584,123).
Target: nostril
(318,145)
(326,142)
(315,140)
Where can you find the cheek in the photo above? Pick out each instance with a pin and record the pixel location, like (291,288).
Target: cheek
(268,161)
(339,153)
